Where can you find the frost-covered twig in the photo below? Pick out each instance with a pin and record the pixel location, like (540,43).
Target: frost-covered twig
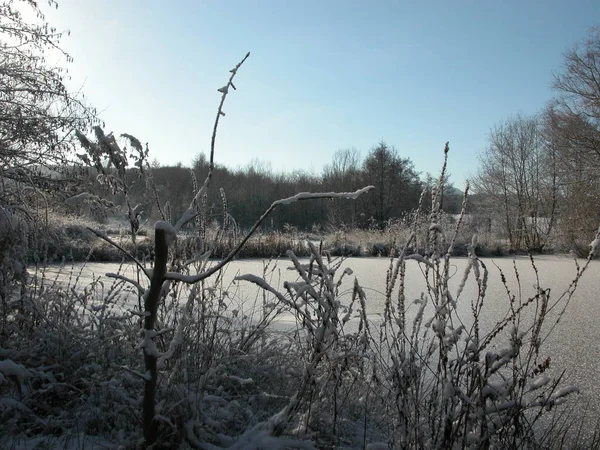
(118,276)
(191,279)
(189,214)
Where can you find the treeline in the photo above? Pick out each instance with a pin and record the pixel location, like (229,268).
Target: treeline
(245,193)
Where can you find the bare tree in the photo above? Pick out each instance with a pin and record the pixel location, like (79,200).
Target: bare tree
(343,173)
(517,181)
(578,84)
(573,127)
(38,114)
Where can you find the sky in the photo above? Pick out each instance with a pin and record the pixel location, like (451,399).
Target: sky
(322,75)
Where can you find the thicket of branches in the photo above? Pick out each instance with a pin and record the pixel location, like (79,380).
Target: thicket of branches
(539,176)
(38,113)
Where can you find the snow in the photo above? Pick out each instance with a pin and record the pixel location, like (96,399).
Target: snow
(71,441)
(188,215)
(261,439)
(9,368)
(148,344)
(421,259)
(436,227)
(562,392)
(594,246)
(165,226)
(139,313)
(7,403)
(241,381)
(539,382)
(118,276)
(308,195)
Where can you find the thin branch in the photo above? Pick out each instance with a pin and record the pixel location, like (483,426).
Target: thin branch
(189,213)
(191,279)
(117,276)
(224,91)
(125,252)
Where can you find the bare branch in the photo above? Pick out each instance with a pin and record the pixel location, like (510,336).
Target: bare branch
(125,252)
(117,276)
(190,279)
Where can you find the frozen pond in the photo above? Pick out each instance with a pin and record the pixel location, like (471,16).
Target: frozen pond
(573,345)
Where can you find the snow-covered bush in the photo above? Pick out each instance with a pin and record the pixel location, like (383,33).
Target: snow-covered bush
(450,382)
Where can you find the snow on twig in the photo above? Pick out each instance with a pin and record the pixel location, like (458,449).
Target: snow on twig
(190,279)
(118,276)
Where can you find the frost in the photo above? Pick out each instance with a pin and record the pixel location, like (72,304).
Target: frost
(308,195)
(148,344)
(81,198)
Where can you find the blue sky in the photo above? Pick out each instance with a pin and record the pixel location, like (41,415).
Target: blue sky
(323,75)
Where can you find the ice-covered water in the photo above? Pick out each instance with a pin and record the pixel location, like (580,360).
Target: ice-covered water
(573,346)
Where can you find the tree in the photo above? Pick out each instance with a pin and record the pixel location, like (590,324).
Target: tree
(579,83)
(38,114)
(573,128)
(343,174)
(451,197)
(396,182)
(517,178)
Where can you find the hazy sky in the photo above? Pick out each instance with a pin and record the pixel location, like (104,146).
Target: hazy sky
(323,75)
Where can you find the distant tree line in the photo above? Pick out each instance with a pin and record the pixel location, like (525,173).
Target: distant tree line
(247,192)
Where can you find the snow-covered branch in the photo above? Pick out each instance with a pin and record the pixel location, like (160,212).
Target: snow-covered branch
(190,279)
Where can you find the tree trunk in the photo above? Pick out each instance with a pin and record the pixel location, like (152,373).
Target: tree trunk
(150,356)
